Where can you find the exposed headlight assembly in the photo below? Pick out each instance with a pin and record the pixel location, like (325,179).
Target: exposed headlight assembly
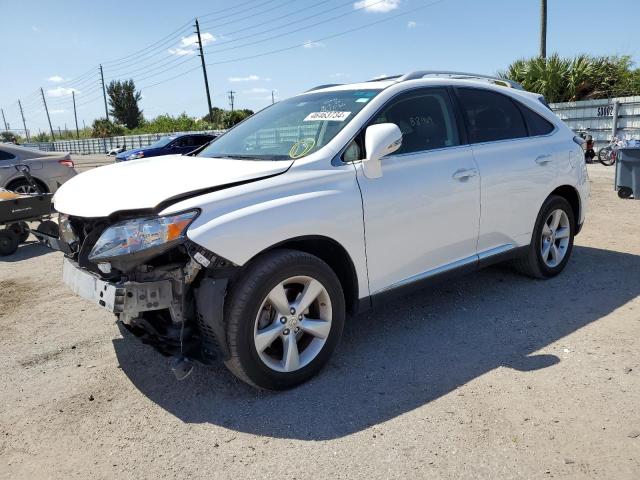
(141,234)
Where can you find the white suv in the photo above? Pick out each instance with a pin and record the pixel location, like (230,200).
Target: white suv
(257,247)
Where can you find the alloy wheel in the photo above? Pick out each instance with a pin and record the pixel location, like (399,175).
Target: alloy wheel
(293,324)
(556,233)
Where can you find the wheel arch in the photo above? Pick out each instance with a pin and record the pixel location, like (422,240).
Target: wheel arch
(333,254)
(571,195)
(43,186)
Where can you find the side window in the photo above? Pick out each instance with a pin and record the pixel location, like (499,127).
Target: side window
(535,123)
(425,118)
(490,116)
(4,155)
(201,140)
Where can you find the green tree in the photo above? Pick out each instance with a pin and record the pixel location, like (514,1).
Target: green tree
(8,137)
(580,78)
(103,128)
(123,99)
(236,116)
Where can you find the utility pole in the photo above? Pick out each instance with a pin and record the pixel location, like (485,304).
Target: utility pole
(84,125)
(4,120)
(24,124)
(44,100)
(543,28)
(104,93)
(75,114)
(231,93)
(272,98)
(59,132)
(204,70)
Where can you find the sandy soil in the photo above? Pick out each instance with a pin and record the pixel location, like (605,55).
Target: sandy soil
(490,376)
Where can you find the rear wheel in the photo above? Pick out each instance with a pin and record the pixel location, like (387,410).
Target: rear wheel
(284,318)
(50,228)
(23,187)
(21,229)
(624,192)
(8,242)
(607,156)
(552,240)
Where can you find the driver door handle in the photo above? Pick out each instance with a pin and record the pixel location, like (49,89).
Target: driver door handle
(464,173)
(543,159)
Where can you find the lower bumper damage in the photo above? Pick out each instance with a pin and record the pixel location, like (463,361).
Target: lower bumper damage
(164,307)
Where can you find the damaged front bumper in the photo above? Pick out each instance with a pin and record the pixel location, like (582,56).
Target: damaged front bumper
(126,298)
(164,307)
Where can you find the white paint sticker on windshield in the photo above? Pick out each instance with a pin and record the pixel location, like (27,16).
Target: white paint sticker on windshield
(329,116)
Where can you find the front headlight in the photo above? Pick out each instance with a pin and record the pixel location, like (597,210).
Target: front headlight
(132,236)
(136,155)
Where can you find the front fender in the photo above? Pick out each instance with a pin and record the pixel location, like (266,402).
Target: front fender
(240,222)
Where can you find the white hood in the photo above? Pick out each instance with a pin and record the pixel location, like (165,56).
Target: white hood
(145,183)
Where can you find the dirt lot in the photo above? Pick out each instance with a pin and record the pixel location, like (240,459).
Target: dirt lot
(491,376)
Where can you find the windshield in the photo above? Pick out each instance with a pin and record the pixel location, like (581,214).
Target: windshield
(161,142)
(293,128)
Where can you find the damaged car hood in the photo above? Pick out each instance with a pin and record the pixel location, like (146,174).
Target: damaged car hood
(146,183)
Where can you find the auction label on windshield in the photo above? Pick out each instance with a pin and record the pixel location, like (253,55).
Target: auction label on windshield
(330,116)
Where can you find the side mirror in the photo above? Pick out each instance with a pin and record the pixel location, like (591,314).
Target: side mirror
(379,140)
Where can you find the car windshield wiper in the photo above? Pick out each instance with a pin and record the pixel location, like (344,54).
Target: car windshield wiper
(251,157)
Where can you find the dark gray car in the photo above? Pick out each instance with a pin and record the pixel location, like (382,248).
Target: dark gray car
(49,169)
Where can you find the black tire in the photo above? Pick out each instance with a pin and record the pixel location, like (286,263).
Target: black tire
(23,183)
(624,192)
(606,157)
(8,242)
(50,228)
(244,301)
(21,229)
(532,263)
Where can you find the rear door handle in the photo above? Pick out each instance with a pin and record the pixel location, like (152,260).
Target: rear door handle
(543,159)
(464,173)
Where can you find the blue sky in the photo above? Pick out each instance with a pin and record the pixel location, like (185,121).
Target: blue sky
(57,46)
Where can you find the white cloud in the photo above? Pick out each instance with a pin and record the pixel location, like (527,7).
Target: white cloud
(34,28)
(257,90)
(56,79)
(182,51)
(249,78)
(57,111)
(411,24)
(310,44)
(378,6)
(61,91)
(189,45)
(340,75)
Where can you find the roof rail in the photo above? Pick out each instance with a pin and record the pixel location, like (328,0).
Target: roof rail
(446,73)
(324,86)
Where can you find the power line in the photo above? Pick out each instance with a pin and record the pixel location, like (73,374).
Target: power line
(305,27)
(328,37)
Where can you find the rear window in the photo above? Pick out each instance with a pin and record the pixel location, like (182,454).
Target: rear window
(535,123)
(490,116)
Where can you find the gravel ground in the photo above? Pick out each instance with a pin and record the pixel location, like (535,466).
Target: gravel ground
(490,376)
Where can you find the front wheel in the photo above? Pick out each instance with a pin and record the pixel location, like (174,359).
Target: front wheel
(552,240)
(284,318)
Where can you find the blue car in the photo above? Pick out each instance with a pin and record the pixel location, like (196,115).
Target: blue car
(172,145)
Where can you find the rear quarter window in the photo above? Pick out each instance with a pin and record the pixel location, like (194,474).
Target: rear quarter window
(4,155)
(536,124)
(490,116)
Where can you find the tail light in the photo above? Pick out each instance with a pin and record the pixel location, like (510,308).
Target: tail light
(66,163)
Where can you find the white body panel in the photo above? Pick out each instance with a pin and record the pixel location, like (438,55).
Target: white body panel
(145,183)
(417,216)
